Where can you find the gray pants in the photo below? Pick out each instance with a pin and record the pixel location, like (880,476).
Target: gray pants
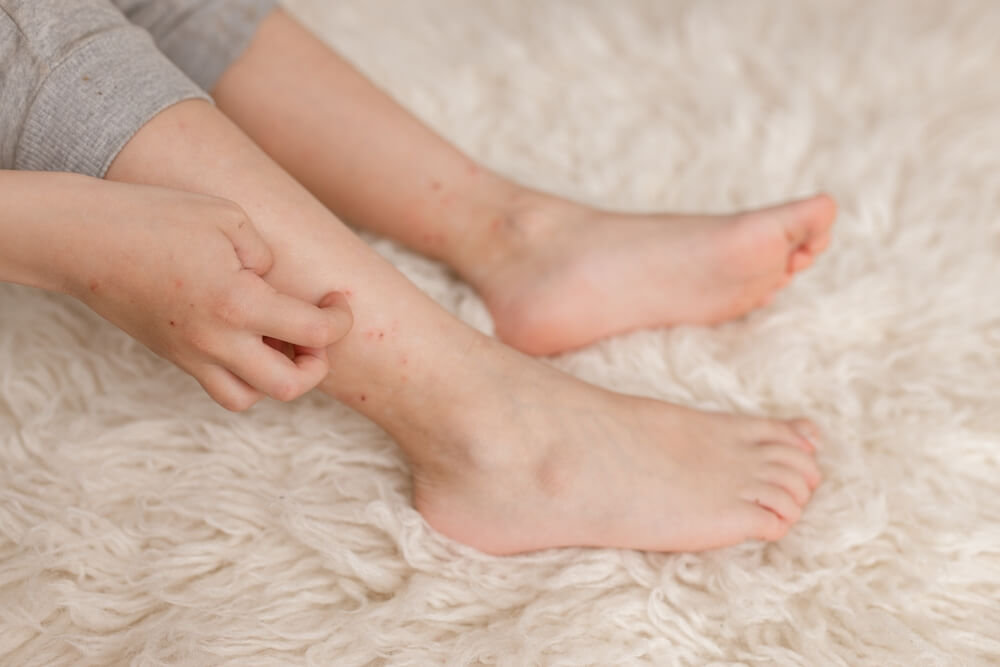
(78,78)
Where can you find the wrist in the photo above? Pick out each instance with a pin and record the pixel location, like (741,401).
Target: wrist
(39,228)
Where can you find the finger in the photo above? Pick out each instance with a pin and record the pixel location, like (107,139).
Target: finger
(226,389)
(279,345)
(295,321)
(251,249)
(271,372)
(312,363)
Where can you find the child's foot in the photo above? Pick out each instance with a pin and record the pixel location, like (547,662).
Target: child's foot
(549,461)
(558,276)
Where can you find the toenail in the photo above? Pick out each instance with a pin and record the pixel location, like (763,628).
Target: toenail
(810,433)
(813,440)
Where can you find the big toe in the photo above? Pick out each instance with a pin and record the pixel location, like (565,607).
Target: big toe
(809,432)
(812,218)
(805,221)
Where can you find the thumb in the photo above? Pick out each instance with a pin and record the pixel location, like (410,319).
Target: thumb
(336,307)
(251,249)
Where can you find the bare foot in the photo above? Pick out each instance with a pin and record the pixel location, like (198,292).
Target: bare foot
(508,454)
(555,462)
(560,276)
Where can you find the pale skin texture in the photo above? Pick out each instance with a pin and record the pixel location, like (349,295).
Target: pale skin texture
(180,272)
(554,274)
(508,454)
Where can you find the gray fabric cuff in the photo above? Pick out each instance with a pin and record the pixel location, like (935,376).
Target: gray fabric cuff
(209,38)
(96,99)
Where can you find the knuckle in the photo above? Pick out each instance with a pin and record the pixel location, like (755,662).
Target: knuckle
(200,339)
(231,309)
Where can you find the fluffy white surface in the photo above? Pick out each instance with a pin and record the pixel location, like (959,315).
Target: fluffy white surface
(140,524)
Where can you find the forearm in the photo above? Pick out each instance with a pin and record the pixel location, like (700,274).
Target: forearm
(39,224)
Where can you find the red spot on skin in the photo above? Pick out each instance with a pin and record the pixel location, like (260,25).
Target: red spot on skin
(348,293)
(363,398)
(375,334)
(496,224)
(472,168)
(94,285)
(172,323)
(178,283)
(381,335)
(435,185)
(405,361)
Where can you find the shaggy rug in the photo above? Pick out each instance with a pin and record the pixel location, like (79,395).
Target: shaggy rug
(142,525)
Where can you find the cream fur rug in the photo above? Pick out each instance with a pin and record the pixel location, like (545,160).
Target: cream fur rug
(140,524)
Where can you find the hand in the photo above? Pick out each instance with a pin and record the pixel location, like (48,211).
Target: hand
(182,273)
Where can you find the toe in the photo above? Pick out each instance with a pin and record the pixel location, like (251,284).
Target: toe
(825,209)
(818,213)
(774,498)
(799,260)
(807,430)
(792,457)
(788,478)
(805,219)
(763,524)
(795,433)
(818,244)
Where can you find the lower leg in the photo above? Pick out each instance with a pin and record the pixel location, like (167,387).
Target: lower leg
(554,274)
(508,454)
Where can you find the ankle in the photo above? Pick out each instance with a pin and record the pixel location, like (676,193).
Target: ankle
(506,228)
(477,424)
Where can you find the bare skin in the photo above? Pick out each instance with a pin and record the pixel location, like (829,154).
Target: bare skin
(508,454)
(555,275)
(565,275)
(167,266)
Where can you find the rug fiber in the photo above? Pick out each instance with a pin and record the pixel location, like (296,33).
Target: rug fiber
(142,525)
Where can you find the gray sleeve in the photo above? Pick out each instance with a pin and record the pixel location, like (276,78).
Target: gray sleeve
(201,37)
(77,81)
